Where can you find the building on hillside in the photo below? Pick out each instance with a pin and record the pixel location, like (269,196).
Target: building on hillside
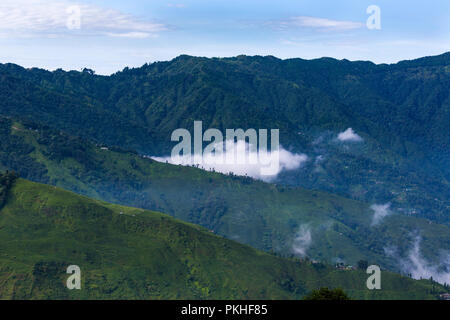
(444,296)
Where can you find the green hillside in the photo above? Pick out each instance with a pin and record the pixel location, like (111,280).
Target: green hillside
(400,110)
(127,253)
(265,216)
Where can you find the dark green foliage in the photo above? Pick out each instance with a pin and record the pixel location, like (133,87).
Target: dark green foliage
(6,181)
(48,281)
(128,253)
(401,111)
(16,154)
(363,265)
(326,294)
(264,216)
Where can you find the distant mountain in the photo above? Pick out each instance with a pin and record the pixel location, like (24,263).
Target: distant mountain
(286,220)
(401,112)
(127,253)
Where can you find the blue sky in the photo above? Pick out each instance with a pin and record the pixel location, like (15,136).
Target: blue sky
(113,34)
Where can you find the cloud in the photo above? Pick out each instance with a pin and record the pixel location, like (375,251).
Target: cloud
(349,135)
(379,212)
(135,35)
(176,5)
(302,240)
(316,23)
(50,18)
(320,158)
(416,265)
(248,163)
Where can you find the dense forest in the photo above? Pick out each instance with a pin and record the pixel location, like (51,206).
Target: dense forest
(401,111)
(266,216)
(129,253)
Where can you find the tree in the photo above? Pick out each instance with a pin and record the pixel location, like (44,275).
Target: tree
(88,71)
(327,294)
(6,181)
(363,264)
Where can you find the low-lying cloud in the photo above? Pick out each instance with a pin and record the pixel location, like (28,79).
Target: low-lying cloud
(302,240)
(247,161)
(349,136)
(380,211)
(418,267)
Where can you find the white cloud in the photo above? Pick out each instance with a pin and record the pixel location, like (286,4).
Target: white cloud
(349,135)
(317,23)
(176,5)
(416,265)
(249,162)
(379,212)
(50,18)
(320,158)
(302,240)
(135,35)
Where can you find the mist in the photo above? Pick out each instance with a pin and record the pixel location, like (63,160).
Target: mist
(302,240)
(380,211)
(419,268)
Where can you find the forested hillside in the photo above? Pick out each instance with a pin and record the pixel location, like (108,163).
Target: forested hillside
(127,253)
(266,216)
(401,111)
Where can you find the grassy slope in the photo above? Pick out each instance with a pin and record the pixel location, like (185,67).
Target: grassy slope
(127,253)
(264,216)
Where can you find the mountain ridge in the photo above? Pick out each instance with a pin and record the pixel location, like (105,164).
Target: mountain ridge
(401,111)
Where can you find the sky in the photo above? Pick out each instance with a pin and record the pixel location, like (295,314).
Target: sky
(108,35)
